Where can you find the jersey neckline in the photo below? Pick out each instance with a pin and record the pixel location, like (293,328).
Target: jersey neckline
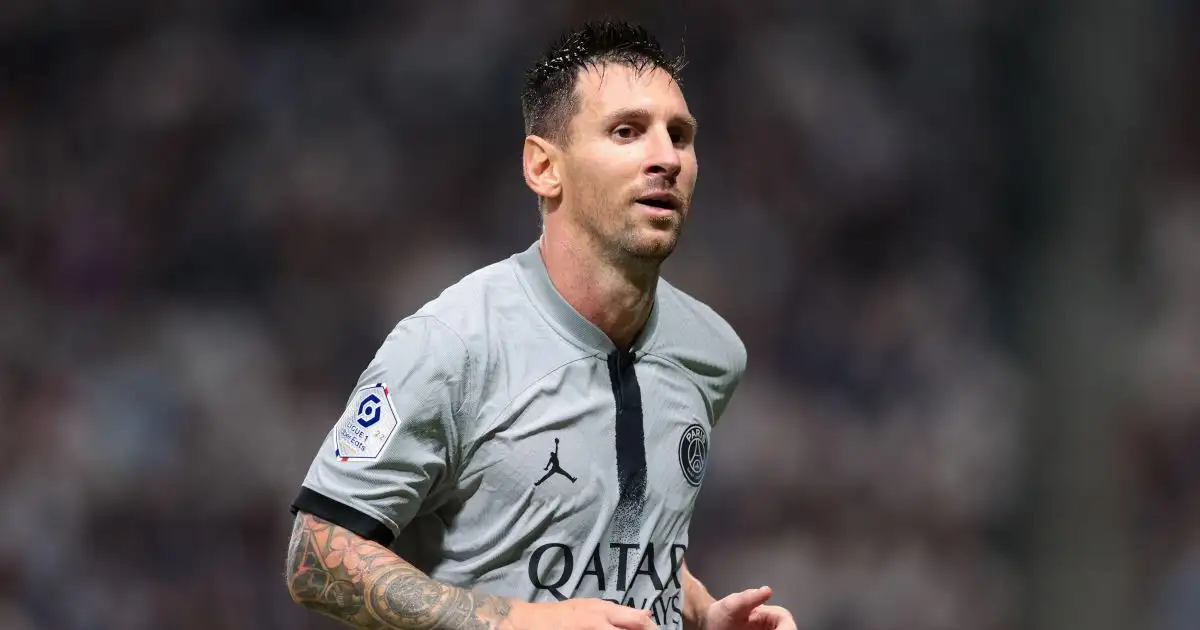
(563,317)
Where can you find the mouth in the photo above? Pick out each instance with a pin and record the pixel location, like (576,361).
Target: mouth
(661,201)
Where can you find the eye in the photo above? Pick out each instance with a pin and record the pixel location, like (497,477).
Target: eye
(680,135)
(625,132)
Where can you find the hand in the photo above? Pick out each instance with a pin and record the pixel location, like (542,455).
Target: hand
(747,611)
(577,614)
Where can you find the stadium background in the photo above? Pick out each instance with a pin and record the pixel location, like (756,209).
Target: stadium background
(960,238)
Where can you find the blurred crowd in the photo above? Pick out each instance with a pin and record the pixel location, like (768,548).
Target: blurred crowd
(1163,422)
(212,212)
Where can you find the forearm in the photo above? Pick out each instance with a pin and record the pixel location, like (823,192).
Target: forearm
(364,584)
(696,599)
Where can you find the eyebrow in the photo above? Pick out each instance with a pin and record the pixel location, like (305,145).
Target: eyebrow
(687,120)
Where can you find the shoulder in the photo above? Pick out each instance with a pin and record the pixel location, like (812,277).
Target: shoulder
(694,332)
(448,340)
(449,332)
(481,320)
(468,308)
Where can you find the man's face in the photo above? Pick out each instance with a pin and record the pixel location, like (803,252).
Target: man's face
(630,164)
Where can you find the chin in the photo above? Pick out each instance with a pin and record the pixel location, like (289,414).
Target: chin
(653,246)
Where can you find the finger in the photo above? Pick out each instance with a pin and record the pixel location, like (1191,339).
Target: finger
(740,605)
(630,618)
(643,625)
(636,624)
(772,617)
(640,622)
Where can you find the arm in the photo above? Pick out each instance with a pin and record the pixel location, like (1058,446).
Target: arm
(337,573)
(696,599)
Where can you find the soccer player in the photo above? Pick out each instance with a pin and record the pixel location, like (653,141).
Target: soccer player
(525,451)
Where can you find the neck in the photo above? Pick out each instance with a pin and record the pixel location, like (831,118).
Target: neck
(614,295)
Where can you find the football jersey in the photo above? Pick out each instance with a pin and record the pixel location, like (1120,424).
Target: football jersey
(499,441)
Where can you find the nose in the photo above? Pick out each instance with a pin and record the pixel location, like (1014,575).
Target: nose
(663,157)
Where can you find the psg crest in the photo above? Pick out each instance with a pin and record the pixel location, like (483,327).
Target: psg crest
(693,453)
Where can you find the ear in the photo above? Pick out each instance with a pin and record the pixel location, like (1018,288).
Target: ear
(540,162)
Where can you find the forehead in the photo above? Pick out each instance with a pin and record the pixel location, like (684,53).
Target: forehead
(609,87)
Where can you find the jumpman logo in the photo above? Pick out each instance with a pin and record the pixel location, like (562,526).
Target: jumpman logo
(553,467)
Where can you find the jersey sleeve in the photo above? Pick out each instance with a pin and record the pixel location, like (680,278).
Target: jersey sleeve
(395,442)
(735,362)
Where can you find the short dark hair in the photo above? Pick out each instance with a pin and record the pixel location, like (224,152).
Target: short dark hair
(548,100)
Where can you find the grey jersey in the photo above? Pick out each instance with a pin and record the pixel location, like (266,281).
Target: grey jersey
(499,441)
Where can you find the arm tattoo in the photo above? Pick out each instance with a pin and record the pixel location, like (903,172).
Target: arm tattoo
(335,572)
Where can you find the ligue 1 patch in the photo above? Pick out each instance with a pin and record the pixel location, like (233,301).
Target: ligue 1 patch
(693,453)
(366,425)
